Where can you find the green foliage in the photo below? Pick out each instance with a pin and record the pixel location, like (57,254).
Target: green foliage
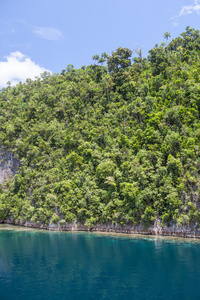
(149,216)
(110,142)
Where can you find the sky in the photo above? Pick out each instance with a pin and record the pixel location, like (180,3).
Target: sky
(47,35)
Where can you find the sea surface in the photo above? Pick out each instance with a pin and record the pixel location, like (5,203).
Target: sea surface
(36,264)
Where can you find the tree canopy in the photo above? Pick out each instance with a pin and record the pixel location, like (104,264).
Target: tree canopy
(112,142)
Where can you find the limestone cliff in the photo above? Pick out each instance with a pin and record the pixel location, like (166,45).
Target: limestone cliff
(8,165)
(154,229)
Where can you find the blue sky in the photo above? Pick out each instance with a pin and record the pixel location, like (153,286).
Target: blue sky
(39,35)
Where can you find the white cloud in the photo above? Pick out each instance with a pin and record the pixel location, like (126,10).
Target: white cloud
(7,31)
(18,67)
(189,9)
(23,45)
(175,24)
(48,33)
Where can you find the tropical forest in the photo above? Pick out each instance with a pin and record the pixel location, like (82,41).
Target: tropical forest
(114,142)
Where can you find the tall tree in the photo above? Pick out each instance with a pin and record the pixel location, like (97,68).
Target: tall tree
(121,58)
(138,50)
(167,35)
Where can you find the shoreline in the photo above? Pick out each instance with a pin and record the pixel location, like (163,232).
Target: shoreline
(156,229)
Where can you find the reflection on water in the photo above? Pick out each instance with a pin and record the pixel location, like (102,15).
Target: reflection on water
(38,264)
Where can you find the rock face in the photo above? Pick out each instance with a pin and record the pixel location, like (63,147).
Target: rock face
(8,165)
(155,229)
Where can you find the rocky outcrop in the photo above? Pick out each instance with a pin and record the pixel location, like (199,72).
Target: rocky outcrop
(155,229)
(8,165)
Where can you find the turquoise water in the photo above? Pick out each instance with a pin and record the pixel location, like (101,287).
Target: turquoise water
(51,265)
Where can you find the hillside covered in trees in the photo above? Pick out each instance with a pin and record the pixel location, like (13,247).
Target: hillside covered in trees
(117,141)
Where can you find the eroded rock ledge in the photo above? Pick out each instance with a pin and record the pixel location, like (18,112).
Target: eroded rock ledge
(156,229)
(9,165)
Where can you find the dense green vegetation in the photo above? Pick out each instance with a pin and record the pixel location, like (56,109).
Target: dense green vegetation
(116,141)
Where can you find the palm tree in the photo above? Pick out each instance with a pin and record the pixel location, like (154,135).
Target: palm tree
(167,35)
(96,58)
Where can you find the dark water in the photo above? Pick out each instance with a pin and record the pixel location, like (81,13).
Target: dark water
(50,265)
